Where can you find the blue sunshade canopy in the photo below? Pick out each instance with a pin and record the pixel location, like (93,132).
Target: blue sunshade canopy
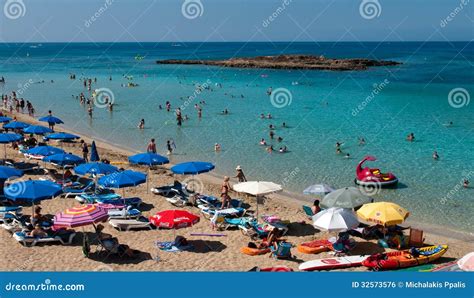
(32,190)
(192,168)
(149,159)
(123,179)
(95,168)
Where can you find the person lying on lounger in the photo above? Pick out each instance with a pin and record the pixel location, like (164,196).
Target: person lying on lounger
(110,242)
(37,232)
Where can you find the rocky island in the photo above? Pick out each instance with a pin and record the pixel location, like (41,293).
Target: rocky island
(289,62)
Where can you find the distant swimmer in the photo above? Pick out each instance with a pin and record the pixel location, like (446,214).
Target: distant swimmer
(160,107)
(347,155)
(449,124)
(217,147)
(270,149)
(284,124)
(435,155)
(89,111)
(263,142)
(361,141)
(111,106)
(269,91)
(269,116)
(272,134)
(169,147)
(338,151)
(465,183)
(271,127)
(283,149)
(338,145)
(279,139)
(225,112)
(262,116)
(141,124)
(411,137)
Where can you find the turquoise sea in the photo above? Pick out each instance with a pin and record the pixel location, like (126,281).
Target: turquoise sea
(381,105)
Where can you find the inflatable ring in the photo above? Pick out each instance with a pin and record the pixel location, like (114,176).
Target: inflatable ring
(254,251)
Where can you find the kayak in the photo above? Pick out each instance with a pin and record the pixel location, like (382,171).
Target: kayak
(314,247)
(332,263)
(405,258)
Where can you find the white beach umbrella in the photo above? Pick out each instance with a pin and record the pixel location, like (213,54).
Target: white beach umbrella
(335,220)
(257,188)
(318,189)
(466,263)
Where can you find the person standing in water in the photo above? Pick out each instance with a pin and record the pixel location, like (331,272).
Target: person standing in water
(179,117)
(141,124)
(169,147)
(151,148)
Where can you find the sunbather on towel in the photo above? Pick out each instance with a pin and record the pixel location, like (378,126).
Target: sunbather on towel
(111,242)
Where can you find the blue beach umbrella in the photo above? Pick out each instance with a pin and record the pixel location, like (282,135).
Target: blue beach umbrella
(94,153)
(8,172)
(192,168)
(4,119)
(44,150)
(123,179)
(62,136)
(16,125)
(148,159)
(51,119)
(6,138)
(96,168)
(64,159)
(32,190)
(37,130)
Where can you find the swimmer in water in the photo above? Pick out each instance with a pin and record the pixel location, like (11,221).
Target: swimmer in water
(280,139)
(361,141)
(435,155)
(217,147)
(269,116)
(141,124)
(225,112)
(411,137)
(262,116)
(270,149)
(263,142)
(271,126)
(283,149)
(449,124)
(284,124)
(465,183)
(272,134)
(338,145)
(347,155)
(338,151)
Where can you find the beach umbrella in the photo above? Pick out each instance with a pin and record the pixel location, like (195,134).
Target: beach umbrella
(192,168)
(64,159)
(466,263)
(8,172)
(318,189)
(4,119)
(6,138)
(16,125)
(123,179)
(257,188)
(44,150)
(80,216)
(174,219)
(94,153)
(51,119)
(95,168)
(62,136)
(32,191)
(37,130)
(383,213)
(148,159)
(348,197)
(335,220)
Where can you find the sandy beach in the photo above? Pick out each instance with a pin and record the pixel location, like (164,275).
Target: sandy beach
(211,253)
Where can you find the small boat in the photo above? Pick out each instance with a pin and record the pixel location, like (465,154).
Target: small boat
(373,177)
(405,258)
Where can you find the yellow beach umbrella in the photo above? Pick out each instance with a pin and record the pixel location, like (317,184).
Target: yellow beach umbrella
(383,213)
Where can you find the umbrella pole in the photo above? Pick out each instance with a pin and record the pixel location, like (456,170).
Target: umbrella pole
(147,180)
(257,209)
(5,147)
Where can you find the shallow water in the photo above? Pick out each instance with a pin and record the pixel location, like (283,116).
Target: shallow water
(412,97)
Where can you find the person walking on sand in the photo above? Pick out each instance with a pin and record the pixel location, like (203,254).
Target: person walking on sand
(85,151)
(240,174)
(151,148)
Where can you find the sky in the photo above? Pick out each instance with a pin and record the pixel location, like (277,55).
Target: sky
(232,20)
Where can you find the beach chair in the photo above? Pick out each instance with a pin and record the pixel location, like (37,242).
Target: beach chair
(124,213)
(234,222)
(109,247)
(416,238)
(8,210)
(62,236)
(13,223)
(131,224)
(26,167)
(308,211)
(282,250)
(134,202)
(177,188)
(94,197)
(210,213)
(253,230)
(179,200)
(80,187)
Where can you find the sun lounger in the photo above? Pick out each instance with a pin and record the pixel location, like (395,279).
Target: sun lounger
(171,190)
(124,213)
(213,202)
(13,223)
(8,210)
(109,247)
(131,224)
(135,201)
(26,167)
(79,188)
(179,200)
(63,237)
(93,198)
(33,156)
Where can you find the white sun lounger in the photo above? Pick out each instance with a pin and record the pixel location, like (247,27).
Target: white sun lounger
(131,224)
(31,241)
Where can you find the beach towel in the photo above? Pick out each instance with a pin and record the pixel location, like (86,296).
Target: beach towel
(170,246)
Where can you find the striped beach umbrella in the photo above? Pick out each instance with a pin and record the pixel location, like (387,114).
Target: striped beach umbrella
(80,216)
